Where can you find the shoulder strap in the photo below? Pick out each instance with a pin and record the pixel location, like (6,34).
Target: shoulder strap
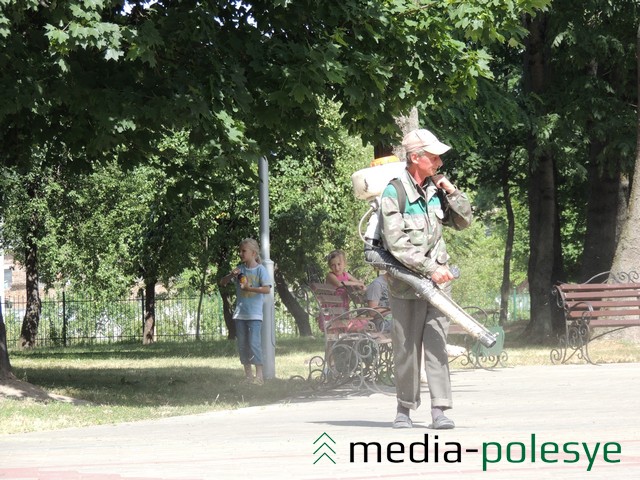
(402,195)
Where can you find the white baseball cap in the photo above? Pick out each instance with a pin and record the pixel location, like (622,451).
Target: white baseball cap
(422,139)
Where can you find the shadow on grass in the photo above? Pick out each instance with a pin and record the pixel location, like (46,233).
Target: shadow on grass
(116,380)
(157,387)
(185,349)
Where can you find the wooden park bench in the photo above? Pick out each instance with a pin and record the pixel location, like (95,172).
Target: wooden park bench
(357,350)
(358,345)
(605,302)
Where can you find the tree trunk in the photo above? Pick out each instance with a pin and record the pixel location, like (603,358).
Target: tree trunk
(300,315)
(5,364)
(227,312)
(627,257)
(602,217)
(204,266)
(543,227)
(508,248)
(32,314)
(557,274)
(406,124)
(149,312)
(623,205)
(202,288)
(541,244)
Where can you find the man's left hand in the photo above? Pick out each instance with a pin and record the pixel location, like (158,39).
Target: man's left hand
(442,275)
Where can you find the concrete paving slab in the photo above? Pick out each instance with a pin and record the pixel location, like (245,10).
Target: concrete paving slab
(568,421)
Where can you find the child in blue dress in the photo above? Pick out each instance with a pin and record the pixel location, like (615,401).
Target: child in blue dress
(252,283)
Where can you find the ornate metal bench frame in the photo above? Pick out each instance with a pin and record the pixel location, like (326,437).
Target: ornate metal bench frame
(352,358)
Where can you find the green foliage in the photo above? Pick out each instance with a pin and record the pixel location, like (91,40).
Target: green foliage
(478,251)
(587,103)
(25,225)
(186,95)
(239,77)
(107,209)
(314,210)
(84,83)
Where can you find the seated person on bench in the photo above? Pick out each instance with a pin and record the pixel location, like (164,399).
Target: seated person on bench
(377,296)
(340,278)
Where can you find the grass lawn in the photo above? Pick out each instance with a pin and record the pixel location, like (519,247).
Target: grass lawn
(130,382)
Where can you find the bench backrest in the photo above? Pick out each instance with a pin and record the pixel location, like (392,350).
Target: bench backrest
(334,316)
(600,301)
(330,304)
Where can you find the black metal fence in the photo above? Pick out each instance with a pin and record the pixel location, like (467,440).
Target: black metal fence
(69,320)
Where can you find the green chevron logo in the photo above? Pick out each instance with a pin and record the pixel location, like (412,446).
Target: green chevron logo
(323,448)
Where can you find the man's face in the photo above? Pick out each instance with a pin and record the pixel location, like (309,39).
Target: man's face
(426,164)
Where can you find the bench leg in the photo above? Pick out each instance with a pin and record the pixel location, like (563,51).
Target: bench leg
(356,360)
(491,361)
(317,373)
(488,357)
(558,355)
(574,341)
(590,337)
(384,367)
(342,361)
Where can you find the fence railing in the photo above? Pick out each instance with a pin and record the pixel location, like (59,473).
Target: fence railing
(68,320)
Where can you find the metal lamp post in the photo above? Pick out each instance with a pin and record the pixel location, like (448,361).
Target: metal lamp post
(268,310)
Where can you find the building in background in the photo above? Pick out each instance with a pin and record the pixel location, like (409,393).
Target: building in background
(14,282)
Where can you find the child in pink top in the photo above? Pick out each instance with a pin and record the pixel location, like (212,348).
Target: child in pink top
(339,277)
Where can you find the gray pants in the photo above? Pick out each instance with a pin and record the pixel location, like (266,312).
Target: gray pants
(417,323)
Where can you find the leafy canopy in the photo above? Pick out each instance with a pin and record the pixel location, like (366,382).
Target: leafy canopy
(82,78)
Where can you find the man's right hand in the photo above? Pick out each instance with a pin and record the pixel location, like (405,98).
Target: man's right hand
(444,183)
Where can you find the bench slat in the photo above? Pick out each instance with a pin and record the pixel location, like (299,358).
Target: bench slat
(608,313)
(333,311)
(336,319)
(605,294)
(614,322)
(583,305)
(330,299)
(455,329)
(323,289)
(585,287)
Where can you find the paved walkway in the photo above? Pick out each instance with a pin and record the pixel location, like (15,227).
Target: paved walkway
(523,422)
